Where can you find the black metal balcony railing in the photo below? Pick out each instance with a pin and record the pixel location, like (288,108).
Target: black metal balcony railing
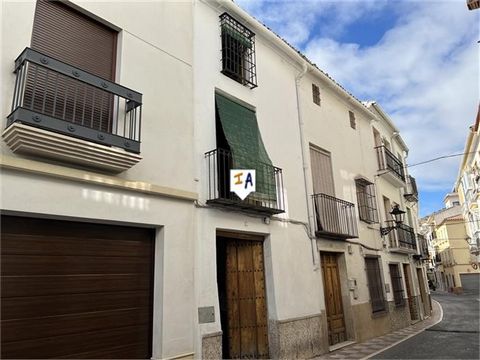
(335,218)
(388,161)
(411,193)
(268,198)
(403,238)
(52,95)
(423,244)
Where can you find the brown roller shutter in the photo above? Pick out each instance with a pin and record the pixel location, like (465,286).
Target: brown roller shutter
(70,36)
(67,35)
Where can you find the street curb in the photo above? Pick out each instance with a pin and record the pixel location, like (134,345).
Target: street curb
(408,336)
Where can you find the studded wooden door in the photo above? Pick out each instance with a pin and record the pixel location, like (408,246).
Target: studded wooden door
(333,299)
(246,307)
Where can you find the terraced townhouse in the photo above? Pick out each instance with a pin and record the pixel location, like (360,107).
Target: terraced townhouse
(120,235)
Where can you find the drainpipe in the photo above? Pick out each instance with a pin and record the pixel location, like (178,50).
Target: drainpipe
(305,166)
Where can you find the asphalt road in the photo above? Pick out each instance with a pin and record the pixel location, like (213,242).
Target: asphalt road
(455,337)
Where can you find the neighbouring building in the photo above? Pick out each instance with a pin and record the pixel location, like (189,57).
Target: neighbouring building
(467,186)
(125,126)
(447,232)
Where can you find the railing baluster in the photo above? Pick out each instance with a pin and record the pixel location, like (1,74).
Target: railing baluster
(45,92)
(23,81)
(34,87)
(54,109)
(84,103)
(100,122)
(16,88)
(75,102)
(65,97)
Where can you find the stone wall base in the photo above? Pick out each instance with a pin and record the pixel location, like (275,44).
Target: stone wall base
(368,325)
(212,346)
(299,338)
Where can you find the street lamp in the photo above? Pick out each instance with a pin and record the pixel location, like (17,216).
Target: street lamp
(398,218)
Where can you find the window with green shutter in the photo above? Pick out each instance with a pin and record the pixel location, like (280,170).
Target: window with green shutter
(237,130)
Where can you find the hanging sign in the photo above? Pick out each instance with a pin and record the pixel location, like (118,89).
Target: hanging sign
(242,182)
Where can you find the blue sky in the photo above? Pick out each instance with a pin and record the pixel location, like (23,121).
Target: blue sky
(418,59)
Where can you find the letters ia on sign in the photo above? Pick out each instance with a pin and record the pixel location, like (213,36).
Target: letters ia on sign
(242,182)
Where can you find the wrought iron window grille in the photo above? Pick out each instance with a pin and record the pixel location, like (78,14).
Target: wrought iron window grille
(367,203)
(238,51)
(316,94)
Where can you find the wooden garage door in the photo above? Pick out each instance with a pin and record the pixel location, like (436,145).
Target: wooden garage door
(75,290)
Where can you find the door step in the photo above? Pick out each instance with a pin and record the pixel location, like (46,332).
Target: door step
(340,345)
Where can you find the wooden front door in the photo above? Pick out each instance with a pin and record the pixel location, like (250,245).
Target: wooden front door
(333,299)
(423,292)
(243,307)
(411,306)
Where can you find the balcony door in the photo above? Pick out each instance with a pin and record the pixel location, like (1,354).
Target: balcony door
(322,171)
(65,34)
(328,213)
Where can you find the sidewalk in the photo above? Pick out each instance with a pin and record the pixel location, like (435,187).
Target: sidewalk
(374,346)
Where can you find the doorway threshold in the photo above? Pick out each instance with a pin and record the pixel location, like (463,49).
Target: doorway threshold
(340,345)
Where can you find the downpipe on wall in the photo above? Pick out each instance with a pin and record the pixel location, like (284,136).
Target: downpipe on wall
(305,167)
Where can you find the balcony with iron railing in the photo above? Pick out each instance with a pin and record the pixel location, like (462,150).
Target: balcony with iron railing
(402,239)
(423,245)
(64,112)
(268,199)
(334,218)
(411,191)
(390,166)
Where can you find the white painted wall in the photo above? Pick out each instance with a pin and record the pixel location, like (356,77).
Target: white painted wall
(293,285)
(155,56)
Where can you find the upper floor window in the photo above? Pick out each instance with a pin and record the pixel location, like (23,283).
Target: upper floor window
(353,123)
(367,203)
(238,51)
(316,94)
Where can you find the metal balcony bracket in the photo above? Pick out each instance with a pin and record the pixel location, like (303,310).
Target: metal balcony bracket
(386,230)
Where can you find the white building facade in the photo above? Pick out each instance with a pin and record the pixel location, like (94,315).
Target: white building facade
(122,124)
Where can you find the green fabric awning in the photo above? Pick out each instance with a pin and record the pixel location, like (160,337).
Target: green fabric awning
(242,39)
(248,151)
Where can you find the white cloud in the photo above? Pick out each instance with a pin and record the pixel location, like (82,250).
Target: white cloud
(296,20)
(424,70)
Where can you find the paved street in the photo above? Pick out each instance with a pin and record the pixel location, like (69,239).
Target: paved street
(455,337)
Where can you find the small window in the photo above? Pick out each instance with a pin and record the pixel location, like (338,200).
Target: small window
(367,202)
(353,123)
(397,287)
(316,94)
(375,286)
(238,51)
